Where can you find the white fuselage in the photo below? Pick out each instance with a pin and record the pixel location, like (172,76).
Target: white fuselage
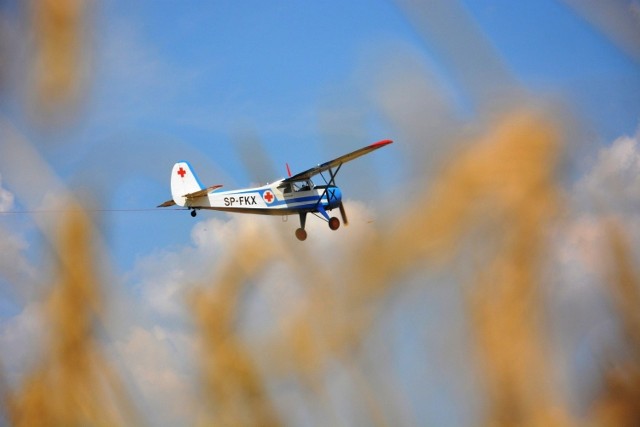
(272,199)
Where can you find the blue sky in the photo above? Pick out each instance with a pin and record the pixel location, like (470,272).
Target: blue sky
(240,88)
(208,75)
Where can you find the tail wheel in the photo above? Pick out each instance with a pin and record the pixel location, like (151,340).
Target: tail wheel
(194,213)
(334,223)
(301,234)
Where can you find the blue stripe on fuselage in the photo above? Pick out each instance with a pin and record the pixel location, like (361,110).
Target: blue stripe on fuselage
(302,202)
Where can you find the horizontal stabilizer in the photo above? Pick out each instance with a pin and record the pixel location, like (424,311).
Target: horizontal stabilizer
(194,195)
(167,204)
(201,193)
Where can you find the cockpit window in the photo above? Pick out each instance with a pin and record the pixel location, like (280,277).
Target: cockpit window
(307,185)
(286,188)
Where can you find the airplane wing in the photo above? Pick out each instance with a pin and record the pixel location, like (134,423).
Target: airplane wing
(302,176)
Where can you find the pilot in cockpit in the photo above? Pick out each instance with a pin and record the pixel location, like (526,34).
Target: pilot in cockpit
(307,186)
(288,188)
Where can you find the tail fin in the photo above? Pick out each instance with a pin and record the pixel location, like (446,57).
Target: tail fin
(183,181)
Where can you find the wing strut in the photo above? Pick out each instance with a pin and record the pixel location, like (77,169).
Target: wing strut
(332,174)
(332,181)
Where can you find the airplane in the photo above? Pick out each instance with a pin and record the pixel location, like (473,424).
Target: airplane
(297,194)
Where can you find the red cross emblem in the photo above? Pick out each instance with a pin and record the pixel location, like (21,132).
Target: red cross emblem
(267,196)
(182,172)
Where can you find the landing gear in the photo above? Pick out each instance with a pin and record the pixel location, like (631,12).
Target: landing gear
(334,223)
(193,213)
(301,234)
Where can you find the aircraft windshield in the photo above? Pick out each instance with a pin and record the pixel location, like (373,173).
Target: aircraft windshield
(294,187)
(304,185)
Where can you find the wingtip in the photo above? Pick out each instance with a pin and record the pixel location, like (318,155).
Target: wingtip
(381,143)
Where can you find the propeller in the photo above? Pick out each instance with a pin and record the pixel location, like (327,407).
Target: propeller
(343,213)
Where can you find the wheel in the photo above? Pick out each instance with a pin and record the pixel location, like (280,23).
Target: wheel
(194,213)
(334,223)
(301,234)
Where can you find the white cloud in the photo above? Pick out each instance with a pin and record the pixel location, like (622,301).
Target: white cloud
(614,180)
(14,266)
(158,347)
(162,279)
(166,393)
(20,340)
(580,251)
(612,189)
(583,317)
(6,198)
(160,357)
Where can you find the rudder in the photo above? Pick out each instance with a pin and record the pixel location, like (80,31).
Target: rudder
(183,181)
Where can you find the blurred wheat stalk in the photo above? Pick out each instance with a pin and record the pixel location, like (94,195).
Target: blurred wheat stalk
(58,56)
(504,183)
(72,384)
(618,403)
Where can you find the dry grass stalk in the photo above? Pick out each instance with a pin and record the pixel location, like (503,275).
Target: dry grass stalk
(234,392)
(618,403)
(73,384)
(515,166)
(58,27)
(505,180)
